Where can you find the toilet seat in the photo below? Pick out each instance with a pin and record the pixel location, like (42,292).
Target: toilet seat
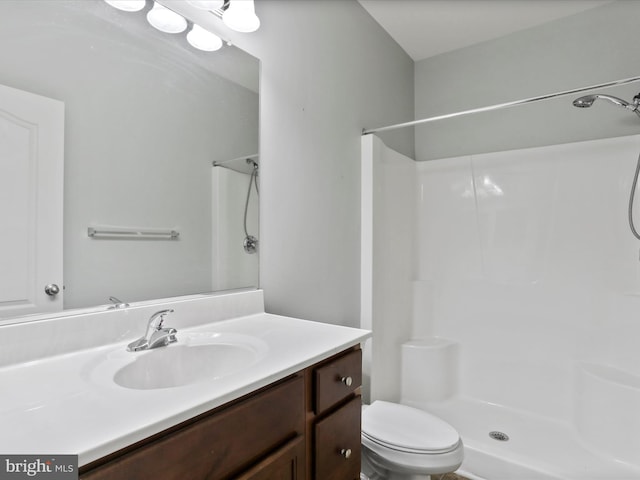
(406,429)
(407,450)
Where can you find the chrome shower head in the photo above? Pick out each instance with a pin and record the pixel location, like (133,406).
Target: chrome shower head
(587,101)
(584,102)
(252,162)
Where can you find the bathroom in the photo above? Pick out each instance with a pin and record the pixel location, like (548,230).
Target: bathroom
(328,70)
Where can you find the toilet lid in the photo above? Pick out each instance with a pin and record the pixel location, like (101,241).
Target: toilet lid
(408,429)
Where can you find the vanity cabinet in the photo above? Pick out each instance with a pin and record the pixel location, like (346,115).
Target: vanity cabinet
(306,426)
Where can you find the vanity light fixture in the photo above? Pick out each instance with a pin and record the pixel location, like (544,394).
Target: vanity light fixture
(166,20)
(127,5)
(202,39)
(240,15)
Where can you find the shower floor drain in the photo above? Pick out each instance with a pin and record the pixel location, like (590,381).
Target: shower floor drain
(500,436)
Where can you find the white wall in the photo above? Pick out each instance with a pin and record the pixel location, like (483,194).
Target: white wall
(327,71)
(531,266)
(595,46)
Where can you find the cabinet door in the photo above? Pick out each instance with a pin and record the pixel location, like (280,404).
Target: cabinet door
(337,444)
(218,446)
(285,464)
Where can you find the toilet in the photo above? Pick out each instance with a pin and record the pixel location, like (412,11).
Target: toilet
(403,443)
(400,442)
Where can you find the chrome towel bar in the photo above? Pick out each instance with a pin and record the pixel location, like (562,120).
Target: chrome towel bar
(106,232)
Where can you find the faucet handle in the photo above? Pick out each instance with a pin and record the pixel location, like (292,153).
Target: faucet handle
(161,314)
(155,335)
(117,303)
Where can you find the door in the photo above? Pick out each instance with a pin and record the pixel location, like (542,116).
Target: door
(31,193)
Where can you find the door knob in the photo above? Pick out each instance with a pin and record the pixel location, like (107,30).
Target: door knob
(52,289)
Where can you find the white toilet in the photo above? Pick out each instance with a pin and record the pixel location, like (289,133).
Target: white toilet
(404,443)
(400,442)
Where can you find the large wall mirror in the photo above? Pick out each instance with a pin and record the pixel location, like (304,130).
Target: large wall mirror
(146,118)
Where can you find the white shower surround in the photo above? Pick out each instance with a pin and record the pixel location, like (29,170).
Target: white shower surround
(525,260)
(231,266)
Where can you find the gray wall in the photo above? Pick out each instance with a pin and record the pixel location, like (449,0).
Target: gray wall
(327,71)
(592,47)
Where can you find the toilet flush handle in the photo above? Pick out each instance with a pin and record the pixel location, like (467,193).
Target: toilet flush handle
(347,381)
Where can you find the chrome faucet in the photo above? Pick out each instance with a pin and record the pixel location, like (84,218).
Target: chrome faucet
(156,336)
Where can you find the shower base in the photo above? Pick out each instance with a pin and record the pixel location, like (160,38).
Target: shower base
(537,448)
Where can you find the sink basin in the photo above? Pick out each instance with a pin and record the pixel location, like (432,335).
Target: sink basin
(180,365)
(196,357)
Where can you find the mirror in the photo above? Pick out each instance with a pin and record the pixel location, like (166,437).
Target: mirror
(146,118)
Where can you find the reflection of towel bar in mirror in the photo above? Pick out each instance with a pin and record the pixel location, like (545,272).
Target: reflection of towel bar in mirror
(105,232)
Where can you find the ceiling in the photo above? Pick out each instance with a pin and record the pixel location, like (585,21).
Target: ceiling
(424,28)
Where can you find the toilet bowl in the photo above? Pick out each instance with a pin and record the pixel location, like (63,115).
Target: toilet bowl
(404,443)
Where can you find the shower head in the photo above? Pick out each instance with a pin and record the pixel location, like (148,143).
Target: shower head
(584,102)
(253,163)
(587,101)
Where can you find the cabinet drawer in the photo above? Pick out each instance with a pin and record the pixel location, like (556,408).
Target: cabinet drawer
(218,446)
(337,444)
(336,380)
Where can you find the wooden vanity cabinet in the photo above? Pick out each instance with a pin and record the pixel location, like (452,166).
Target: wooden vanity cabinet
(306,426)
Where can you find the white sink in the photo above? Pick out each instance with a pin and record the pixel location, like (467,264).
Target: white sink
(195,357)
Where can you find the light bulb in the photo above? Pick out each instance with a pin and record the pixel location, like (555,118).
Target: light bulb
(210,5)
(127,5)
(241,16)
(202,39)
(166,20)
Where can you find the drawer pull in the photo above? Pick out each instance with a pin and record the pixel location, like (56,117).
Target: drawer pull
(347,381)
(345,452)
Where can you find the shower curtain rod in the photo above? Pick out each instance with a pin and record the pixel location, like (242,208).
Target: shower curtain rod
(500,106)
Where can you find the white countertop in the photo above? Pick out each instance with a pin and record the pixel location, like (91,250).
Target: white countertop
(65,405)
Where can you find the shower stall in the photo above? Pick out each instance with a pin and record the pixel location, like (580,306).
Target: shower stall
(235,207)
(517,276)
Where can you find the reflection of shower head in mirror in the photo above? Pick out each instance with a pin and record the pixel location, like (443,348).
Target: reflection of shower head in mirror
(251,161)
(588,100)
